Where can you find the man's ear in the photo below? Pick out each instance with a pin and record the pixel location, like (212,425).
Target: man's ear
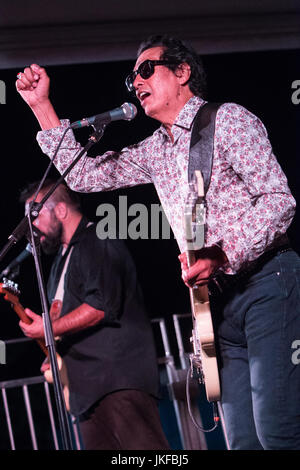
(61,210)
(183,73)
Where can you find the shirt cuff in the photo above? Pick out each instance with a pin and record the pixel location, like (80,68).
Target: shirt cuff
(49,139)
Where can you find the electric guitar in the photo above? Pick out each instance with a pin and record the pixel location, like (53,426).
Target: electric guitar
(11,294)
(204,358)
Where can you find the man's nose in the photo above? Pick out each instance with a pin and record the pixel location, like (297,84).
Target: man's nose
(137,82)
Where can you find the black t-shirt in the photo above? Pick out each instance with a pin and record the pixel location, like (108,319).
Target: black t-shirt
(119,352)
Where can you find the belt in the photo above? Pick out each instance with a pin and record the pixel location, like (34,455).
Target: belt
(221,282)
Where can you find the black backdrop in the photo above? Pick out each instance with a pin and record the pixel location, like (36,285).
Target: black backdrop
(260,81)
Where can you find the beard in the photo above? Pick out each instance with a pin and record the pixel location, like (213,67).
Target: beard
(51,241)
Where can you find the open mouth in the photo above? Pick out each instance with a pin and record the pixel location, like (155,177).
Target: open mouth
(143,95)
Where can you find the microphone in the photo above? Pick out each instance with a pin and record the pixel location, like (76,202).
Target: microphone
(17,261)
(126,112)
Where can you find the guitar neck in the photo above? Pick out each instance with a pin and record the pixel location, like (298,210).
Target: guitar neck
(22,315)
(190,257)
(201,292)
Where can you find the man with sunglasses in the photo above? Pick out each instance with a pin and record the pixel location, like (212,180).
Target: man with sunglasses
(249,209)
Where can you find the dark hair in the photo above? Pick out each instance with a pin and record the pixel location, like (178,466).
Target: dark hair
(61,194)
(178,51)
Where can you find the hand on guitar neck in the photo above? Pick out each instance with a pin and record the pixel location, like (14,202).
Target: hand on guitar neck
(207,261)
(28,318)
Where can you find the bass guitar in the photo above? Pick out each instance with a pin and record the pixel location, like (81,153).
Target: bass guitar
(11,294)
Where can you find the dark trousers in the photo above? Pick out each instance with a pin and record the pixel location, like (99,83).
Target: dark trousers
(258,330)
(124,420)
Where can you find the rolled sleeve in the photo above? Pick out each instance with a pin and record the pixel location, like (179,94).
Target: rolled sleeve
(105,172)
(102,273)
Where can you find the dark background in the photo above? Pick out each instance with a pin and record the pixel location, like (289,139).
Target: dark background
(260,81)
(251,53)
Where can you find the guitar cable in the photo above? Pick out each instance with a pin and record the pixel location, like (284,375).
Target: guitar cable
(188,399)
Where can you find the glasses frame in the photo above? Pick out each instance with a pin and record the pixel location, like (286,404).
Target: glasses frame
(151,64)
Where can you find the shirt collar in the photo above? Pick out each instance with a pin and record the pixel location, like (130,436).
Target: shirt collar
(186,116)
(81,226)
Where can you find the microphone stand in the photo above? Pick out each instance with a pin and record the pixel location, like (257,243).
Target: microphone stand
(17,234)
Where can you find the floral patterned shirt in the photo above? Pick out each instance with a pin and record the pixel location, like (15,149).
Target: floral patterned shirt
(249,204)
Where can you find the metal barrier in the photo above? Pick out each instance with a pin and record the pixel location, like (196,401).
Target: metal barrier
(172,379)
(44,394)
(191,438)
(183,351)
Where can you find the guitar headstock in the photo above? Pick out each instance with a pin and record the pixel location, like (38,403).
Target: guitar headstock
(10,290)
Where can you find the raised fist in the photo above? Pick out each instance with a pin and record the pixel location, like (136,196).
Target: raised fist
(33,85)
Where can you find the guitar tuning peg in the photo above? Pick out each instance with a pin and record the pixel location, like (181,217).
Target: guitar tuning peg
(11,285)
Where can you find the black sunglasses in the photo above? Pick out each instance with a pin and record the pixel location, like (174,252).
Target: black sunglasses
(145,70)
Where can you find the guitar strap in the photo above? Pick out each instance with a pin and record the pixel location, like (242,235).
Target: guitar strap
(202,142)
(59,295)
